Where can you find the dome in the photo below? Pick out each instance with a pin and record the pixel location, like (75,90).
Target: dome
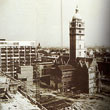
(77,15)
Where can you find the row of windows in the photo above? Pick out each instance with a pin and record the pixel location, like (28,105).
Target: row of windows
(74,24)
(20,47)
(77,32)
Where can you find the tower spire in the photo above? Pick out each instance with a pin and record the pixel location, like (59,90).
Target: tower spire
(77,10)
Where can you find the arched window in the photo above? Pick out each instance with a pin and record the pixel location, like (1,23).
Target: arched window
(79,25)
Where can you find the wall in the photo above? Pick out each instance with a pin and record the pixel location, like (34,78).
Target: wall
(27,72)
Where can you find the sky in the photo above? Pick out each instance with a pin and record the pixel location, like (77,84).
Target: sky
(40,20)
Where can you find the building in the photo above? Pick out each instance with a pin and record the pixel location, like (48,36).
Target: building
(61,77)
(4,84)
(14,54)
(13,87)
(87,77)
(77,37)
(76,72)
(94,76)
(44,70)
(26,75)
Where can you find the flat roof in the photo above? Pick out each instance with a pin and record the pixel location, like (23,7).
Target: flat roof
(66,67)
(17,43)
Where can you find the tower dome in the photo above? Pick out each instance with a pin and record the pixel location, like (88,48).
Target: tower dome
(77,15)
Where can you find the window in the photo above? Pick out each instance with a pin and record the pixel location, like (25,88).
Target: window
(79,25)
(24,79)
(79,46)
(79,31)
(3,43)
(16,43)
(79,53)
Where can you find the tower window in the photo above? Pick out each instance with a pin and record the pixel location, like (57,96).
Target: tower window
(79,46)
(79,25)
(80,31)
(79,53)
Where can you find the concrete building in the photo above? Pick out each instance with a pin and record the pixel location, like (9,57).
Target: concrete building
(14,54)
(77,37)
(43,70)
(4,84)
(13,87)
(94,77)
(26,75)
(87,75)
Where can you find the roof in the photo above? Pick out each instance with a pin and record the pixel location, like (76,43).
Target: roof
(17,43)
(45,63)
(66,67)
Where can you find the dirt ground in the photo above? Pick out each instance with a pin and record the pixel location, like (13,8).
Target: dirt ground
(97,102)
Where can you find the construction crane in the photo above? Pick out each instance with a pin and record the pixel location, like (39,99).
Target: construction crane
(37,81)
(61,24)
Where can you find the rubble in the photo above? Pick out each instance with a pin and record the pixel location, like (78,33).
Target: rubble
(18,102)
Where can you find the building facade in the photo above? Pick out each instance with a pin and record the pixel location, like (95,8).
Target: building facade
(14,54)
(61,77)
(86,77)
(43,71)
(4,84)
(77,36)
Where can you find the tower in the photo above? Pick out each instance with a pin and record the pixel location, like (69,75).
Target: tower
(77,36)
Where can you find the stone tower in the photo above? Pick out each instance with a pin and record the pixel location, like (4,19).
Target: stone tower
(77,36)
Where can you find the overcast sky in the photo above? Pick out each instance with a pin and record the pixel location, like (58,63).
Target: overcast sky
(39,20)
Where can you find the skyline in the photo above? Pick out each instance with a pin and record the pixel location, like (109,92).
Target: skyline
(40,21)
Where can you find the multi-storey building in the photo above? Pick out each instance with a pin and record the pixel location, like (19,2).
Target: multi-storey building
(14,54)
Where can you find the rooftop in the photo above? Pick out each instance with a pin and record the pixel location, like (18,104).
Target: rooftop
(66,67)
(17,43)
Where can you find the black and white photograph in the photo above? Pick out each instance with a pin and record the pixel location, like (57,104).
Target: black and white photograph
(54,54)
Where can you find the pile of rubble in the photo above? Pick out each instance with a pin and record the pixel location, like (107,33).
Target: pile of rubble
(92,103)
(18,102)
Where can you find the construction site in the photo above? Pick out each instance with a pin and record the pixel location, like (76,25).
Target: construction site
(45,98)
(35,78)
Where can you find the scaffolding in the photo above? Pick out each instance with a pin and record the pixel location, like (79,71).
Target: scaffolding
(37,80)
